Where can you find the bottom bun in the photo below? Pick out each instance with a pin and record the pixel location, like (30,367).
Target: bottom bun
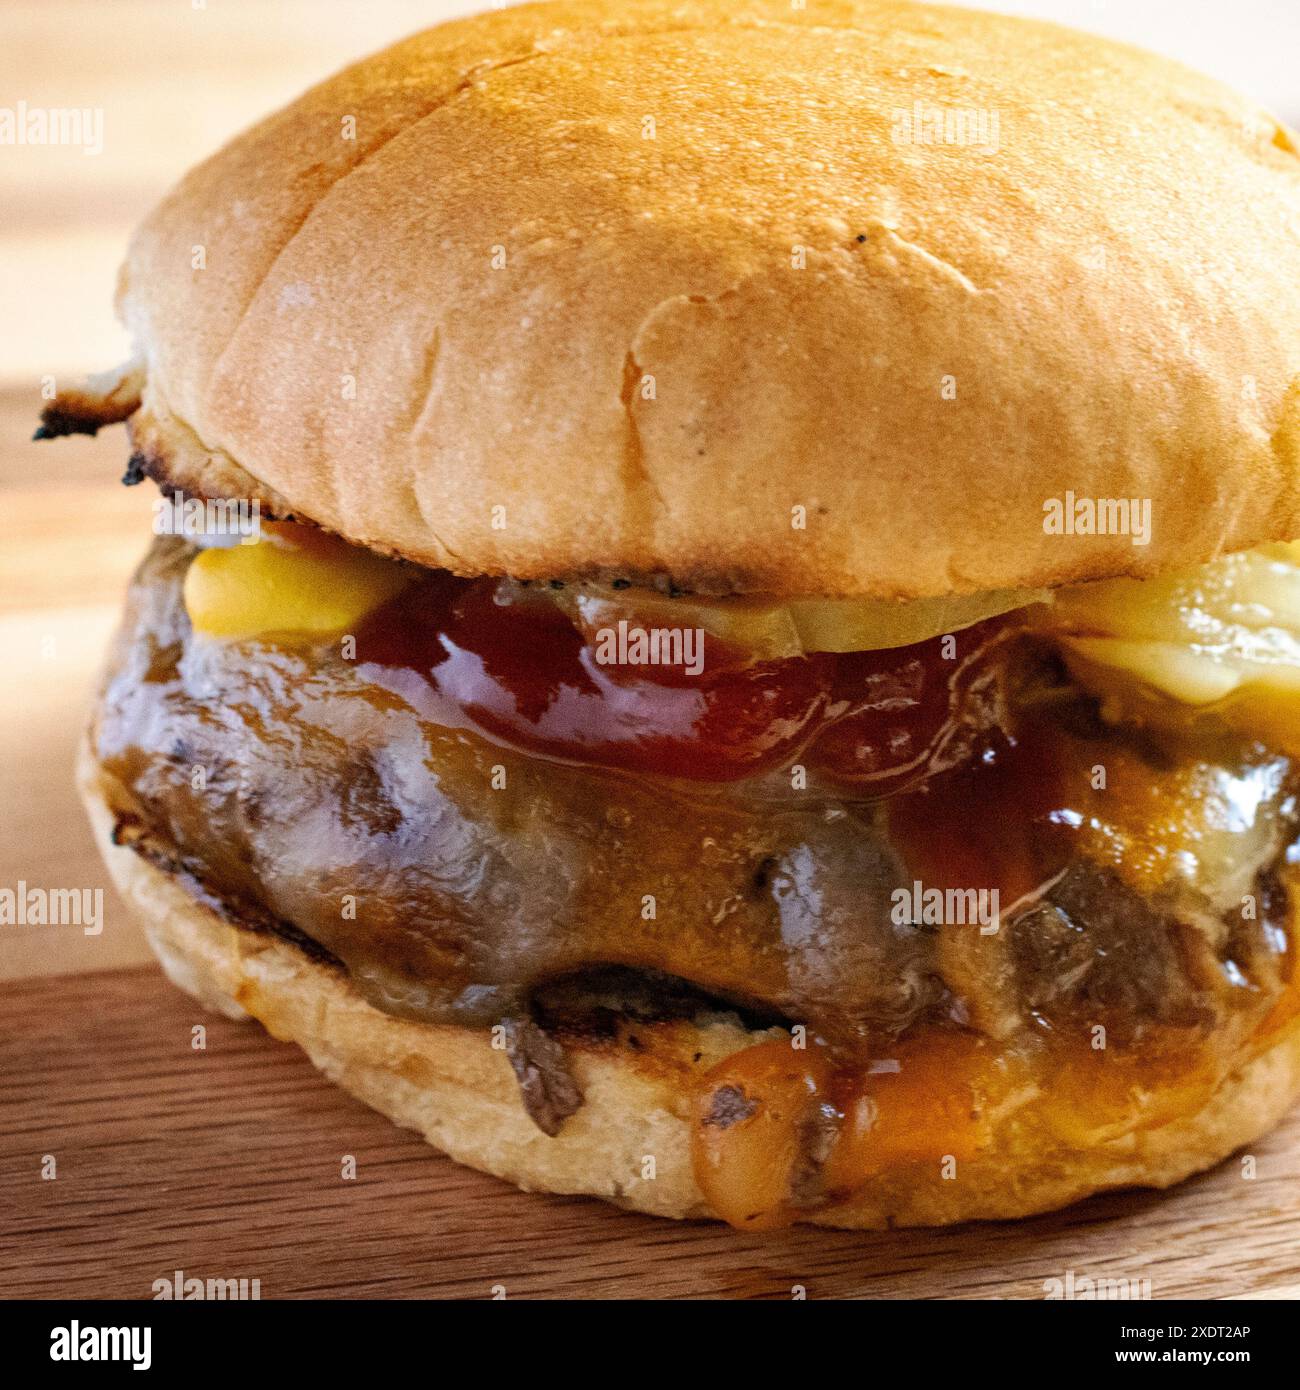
(459,1091)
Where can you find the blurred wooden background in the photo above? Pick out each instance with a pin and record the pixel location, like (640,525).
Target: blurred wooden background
(174,79)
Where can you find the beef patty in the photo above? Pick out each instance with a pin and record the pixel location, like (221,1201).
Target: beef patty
(459,880)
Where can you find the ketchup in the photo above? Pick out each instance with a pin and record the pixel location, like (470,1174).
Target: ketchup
(523,673)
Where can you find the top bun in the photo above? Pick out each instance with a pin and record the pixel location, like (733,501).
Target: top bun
(811,300)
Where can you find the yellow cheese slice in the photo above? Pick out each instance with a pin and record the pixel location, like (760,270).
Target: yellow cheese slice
(294,579)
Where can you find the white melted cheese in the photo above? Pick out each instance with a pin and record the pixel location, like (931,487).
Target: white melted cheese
(1221,641)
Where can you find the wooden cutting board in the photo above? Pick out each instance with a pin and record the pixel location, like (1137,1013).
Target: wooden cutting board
(226,1162)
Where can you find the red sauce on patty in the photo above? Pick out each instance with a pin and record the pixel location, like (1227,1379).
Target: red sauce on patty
(524,674)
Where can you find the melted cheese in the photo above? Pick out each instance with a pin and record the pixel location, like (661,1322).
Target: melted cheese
(1221,641)
(294,579)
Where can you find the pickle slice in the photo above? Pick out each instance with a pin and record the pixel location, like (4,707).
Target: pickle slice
(774,629)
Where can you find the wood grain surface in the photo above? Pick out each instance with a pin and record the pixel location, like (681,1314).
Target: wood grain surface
(71,536)
(226,1162)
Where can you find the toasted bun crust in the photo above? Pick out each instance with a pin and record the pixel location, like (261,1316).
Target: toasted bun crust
(614,286)
(451,1086)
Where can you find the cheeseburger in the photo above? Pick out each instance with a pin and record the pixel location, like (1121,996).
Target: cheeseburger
(724,630)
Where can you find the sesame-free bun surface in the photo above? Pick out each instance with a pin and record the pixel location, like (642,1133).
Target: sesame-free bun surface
(595,287)
(453,1087)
